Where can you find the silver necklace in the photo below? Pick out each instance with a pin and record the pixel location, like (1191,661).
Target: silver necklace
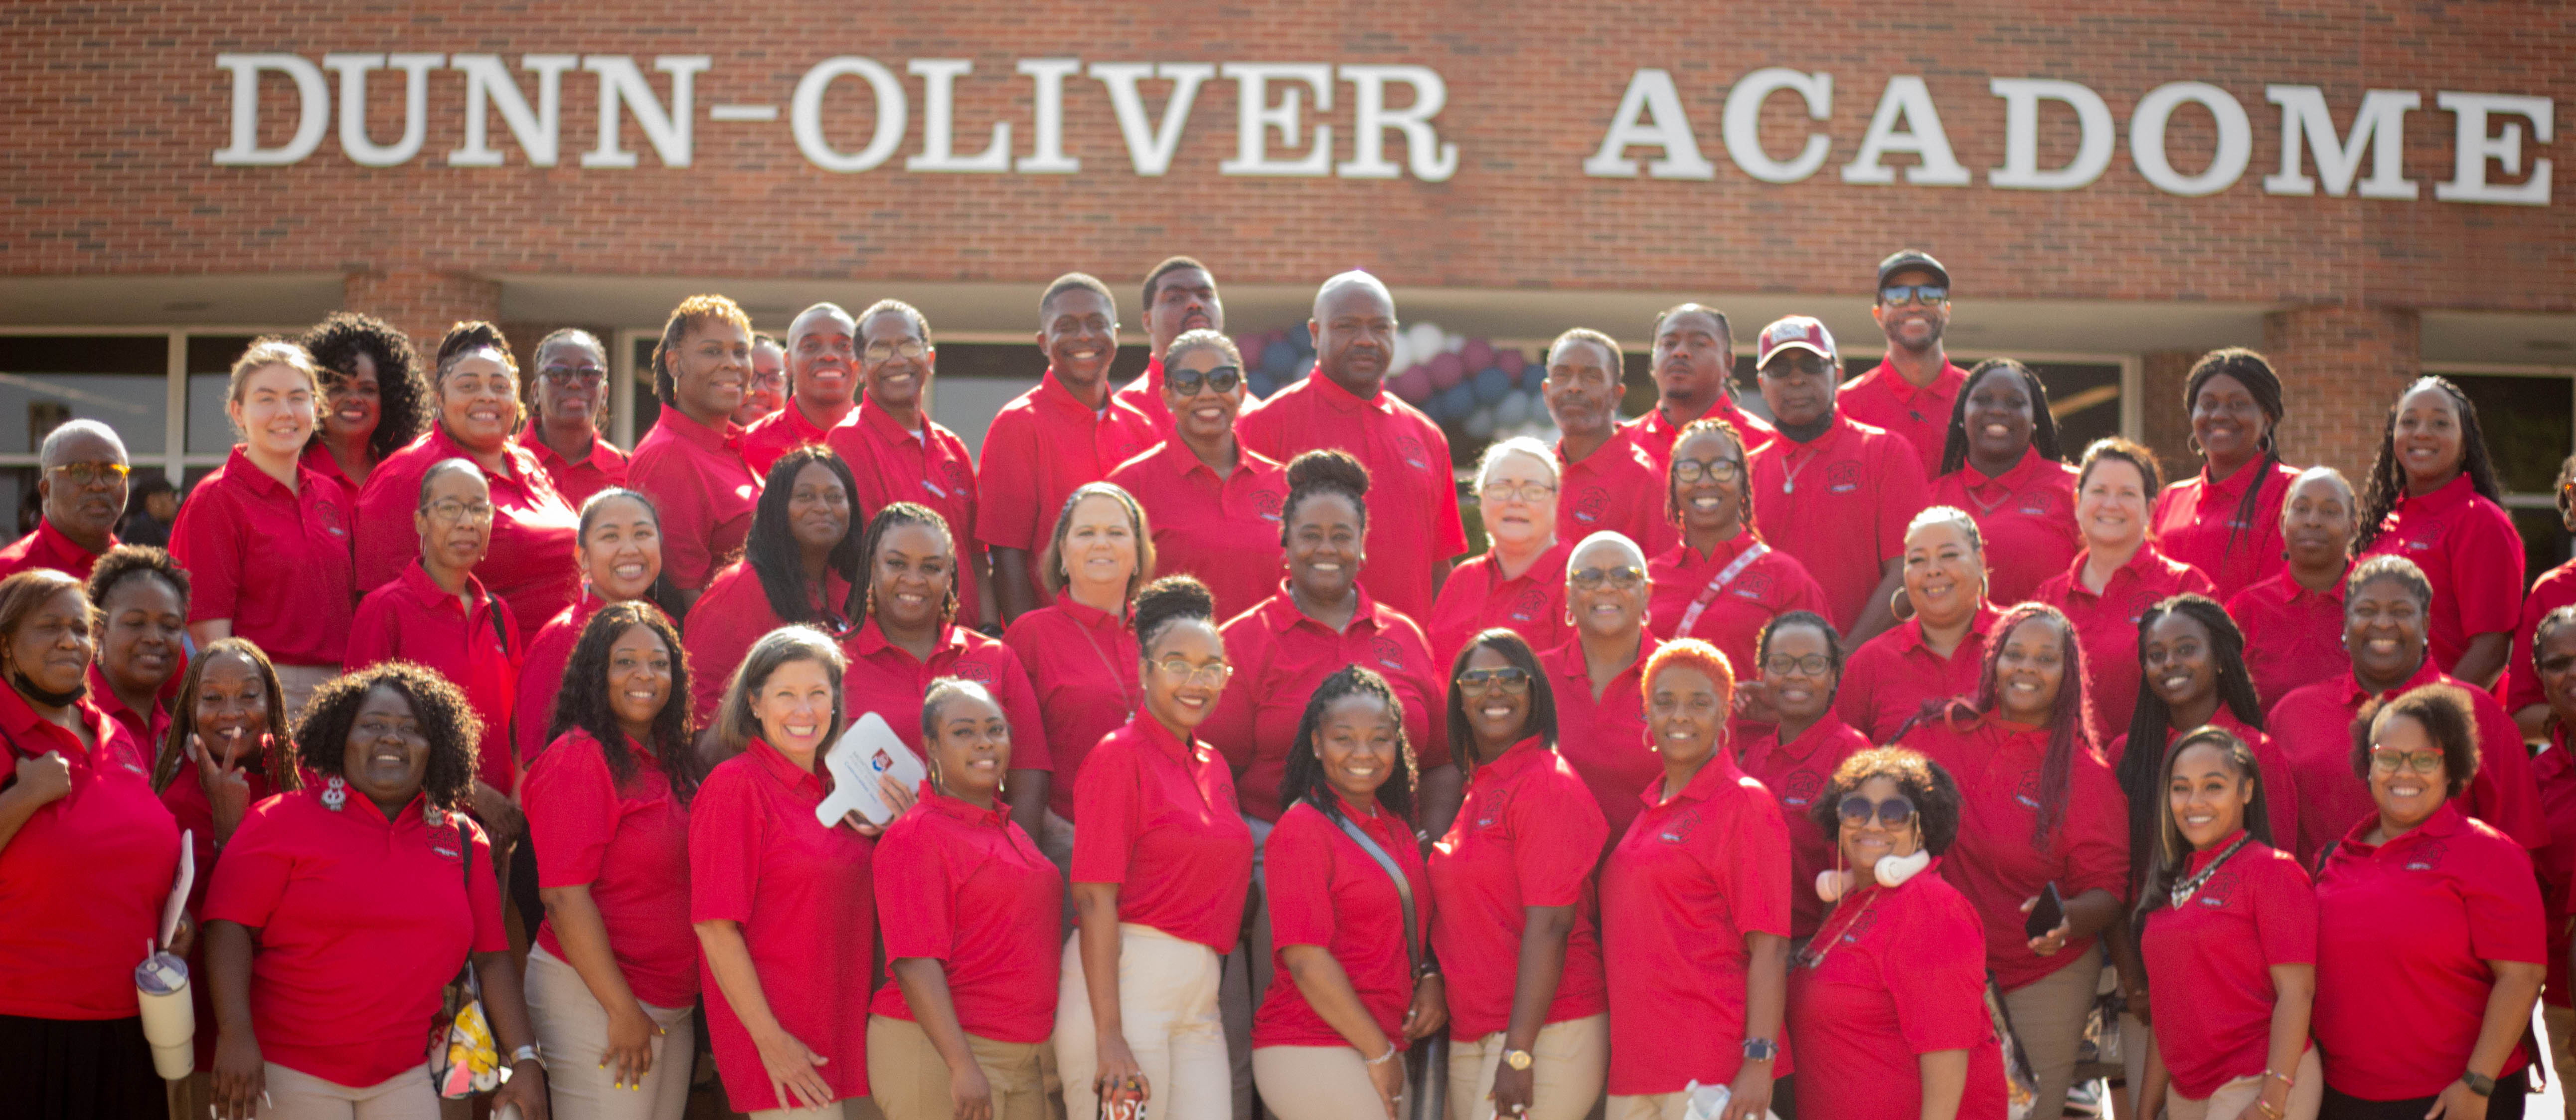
(2183,891)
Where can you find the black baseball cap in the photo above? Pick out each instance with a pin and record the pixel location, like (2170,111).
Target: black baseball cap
(1903,259)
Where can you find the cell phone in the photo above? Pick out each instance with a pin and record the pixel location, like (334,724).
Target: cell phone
(2047,915)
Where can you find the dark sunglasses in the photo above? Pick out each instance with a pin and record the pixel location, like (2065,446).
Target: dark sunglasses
(1929,295)
(1511,679)
(1185,383)
(1893,812)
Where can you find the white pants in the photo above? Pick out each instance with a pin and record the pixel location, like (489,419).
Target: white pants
(301,1096)
(1658,1106)
(1167,993)
(573,1028)
(2224,1103)
(1571,1061)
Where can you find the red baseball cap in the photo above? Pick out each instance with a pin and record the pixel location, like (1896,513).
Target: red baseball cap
(1796,332)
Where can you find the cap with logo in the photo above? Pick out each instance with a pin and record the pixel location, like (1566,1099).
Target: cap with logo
(1903,259)
(1796,332)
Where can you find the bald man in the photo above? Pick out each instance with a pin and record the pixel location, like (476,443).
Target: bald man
(1414,535)
(82,491)
(822,385)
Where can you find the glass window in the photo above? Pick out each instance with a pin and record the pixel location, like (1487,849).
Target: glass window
(2529,424)
(210,364)
(119,380)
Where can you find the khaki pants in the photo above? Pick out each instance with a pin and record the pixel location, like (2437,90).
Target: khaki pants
(1572,1062)
(1247,976)
(302,1096)
(2137,1040)
(296,684)
(573,1028)
(2230,1099)
(1167,993)
(847,1108)
(909,1080)
(1316,1083)
(2048,1021)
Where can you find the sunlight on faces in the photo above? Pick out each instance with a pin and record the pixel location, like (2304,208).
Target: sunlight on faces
(386,755)
(86,511)
(1693,358)
(1864,842)
(572,382)
(823,358)
(353,401)
(2226,421)
(1326,546)
(1708,503)
(1206,415)
(893,380)
(1615,604)
(911,575)
(1354,328)
(2317,522)
(1518,495)
(2558,673)
(818,508)
(1185,300)
(2383,630)
(232,707)
(794,707)
(621,555)
(712,368)
(1079,336)
(455,521)
(2429,437)
(1799,387)
(1497,713)
(1582,387)
(2405,793)
(2206,794)
(1356,743)
(2179,663)
(1945,574)
(478,400)
(1184,673)
(1998,418)
(1798,673)
(53,644)
(1099,551)
(275,410)
(970,748)
(2111,505)
(1686,714)
(146,622)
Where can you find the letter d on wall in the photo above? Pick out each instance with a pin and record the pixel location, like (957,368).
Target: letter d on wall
(312,119)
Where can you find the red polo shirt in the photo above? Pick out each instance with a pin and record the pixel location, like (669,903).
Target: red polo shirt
(1478,598)
(1041,448)
(629,843)
(603,468)
(770,438)
(186,799)
(147,730)
(1324,891)
(2293,636)
(1528,834)
(1996,861)
(1883,398)
(1413,494)
(240,526)
(2314,729)
(965,887)
(1797,773)
(2471,554)
(476,648)
(1692,876)
(805,897)
(1224,531)
(704,491)
(2195,522)
(1159,820)
(319,458)
(2556,588)
(2106,625)
(1840,505)
(885,679)
(2026,517)
(731,617)
(1762,590)
(48,548)
(1656,433)
(534,534)
(2280,779)
(1145,395)
(541,672)
(2404,933)
(1081,666)
(2213,956)
(1887,679)
(361,922)
(82,882)
(893,464)
(1604,738)
(2555,774)
(1902,974)
(1620,487)
(1279,656)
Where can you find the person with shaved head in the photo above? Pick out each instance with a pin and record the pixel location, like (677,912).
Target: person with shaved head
(822,386)
(83,493)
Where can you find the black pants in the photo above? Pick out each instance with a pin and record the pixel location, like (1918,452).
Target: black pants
(2505,1105)
(78,1069)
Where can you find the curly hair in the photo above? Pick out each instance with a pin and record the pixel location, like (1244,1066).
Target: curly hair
(403,387)
(1919,779)
(1539,722)
(135,561)
(2168,855)
(2388,477)
(1305,780)
(692,312)
(892,517)
(583,702)
(276,763)
(445,719)
(1743,473)
(777,558)
(2043,423)
(2448,719)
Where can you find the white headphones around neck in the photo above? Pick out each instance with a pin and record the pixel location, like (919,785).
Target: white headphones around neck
(1891,871)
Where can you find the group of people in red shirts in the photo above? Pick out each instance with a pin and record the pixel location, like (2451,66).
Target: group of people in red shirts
(1784,759)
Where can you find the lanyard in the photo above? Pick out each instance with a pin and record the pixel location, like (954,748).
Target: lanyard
(1709,594)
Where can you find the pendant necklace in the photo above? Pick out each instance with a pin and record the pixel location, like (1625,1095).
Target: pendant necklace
(2182,891)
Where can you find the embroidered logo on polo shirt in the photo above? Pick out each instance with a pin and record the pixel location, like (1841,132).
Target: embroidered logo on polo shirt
(2426,856)
(1589,508)
(974,671)
(328,513)
(2033,502)
(1843,477)
(1860,926)
(1755,586)
(1414,455)
(1800,788)
(1267,503)
(1680,827)
(2220,887)
(960,479)
(444,847)
(2140,604)
(1387,652)
(2028,791)
(1528,605)
(1489,810)
(2422,538)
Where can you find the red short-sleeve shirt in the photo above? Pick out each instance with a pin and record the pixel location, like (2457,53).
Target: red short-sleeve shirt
(318,457)
(2195,522)
(82,882)
(1604,738)
(1159,820)
(805,897)
(732,616)
(1224,531)
(885,679)
(2106,626)
(703,489)
(1883,398)
(603,468)
(2213,956)
(2404,933)
(362,921)
(2555,774)
(1041,448)
(48,549)
(534,533)
(1081,666)
(2313,727)
(1528,834)
(767,440)
(1694,874)
(2026,517)
(893,464)
(1478,597)
(1766,587)
(1899,973)
(1146,395)
(2555,588)
(1840,505)
(1279,656)
(476,648)
(1620,488)
(2280,779)
(629,843)
(1323,890)
(2471,554)
(541,672)
(964,886)
(185,797)
(1413,497)
(1887,679)
(2293,636)
(1656,433)
(1797,773)
(1995,861)
(240,529)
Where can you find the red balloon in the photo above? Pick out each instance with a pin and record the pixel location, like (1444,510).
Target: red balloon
(1446,370)
(1477,353)
(1510,360)
(1413,385)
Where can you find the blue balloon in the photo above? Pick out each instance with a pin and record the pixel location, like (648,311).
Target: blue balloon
(1260,383)
(1453,403)
(1302,338)
(1491,385)
(1279,359)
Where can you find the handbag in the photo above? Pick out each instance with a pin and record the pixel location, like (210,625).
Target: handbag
(463,1057)
(1426,1067)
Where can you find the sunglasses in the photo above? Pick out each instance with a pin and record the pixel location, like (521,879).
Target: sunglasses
(1893,812)
(1510,679)
(1929,295)
(1185,383)
(1624,577)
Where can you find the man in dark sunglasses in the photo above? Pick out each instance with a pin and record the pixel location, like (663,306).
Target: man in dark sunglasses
(1180,296)
(1911,390)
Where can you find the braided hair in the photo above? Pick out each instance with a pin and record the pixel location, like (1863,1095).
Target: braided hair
(403,390)
(887,520)
(1743,478)
(583,702)
(2065,718)
(2142,765)
(2255,373)
(2043,423)
(2388,477)
(1305,779)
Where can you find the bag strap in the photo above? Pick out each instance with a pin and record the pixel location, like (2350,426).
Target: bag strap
(1717,586)
(1403,886)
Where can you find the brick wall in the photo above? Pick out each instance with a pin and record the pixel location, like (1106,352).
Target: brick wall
(2349,362)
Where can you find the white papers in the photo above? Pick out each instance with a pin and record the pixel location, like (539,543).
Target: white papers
(187,878)
(869,748)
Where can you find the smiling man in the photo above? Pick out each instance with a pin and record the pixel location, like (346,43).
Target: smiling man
(83,493)
(1694,358)
(1832,491)
(1180,296)
(822,380)
(1911,390)
(897,453)
(1053,439)
(1609,482)
(1414,535)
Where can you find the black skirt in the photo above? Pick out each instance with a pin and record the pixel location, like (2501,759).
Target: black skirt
(79,1069)
(2505,1105)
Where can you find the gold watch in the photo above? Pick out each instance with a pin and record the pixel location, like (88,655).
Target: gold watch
(1519,1060)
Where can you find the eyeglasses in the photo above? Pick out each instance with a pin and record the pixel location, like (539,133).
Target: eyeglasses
(1186,673)
(374,728)
(1929,295)
(1714,470)
(452,511)
(1893,812)
(1511,679)
(1185,383)
(584,376)
(93,474)
(1524,492)
(1781,665)
(2387,761)
(912,348)
(1625,577)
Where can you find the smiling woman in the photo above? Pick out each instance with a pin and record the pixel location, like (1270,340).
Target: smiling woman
(690,463)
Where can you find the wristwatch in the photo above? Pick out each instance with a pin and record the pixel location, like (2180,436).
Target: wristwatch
(2478,1083)
(1760,1049)
(1518,1059)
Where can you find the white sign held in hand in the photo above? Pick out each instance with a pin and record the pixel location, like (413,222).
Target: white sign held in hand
(868,749)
